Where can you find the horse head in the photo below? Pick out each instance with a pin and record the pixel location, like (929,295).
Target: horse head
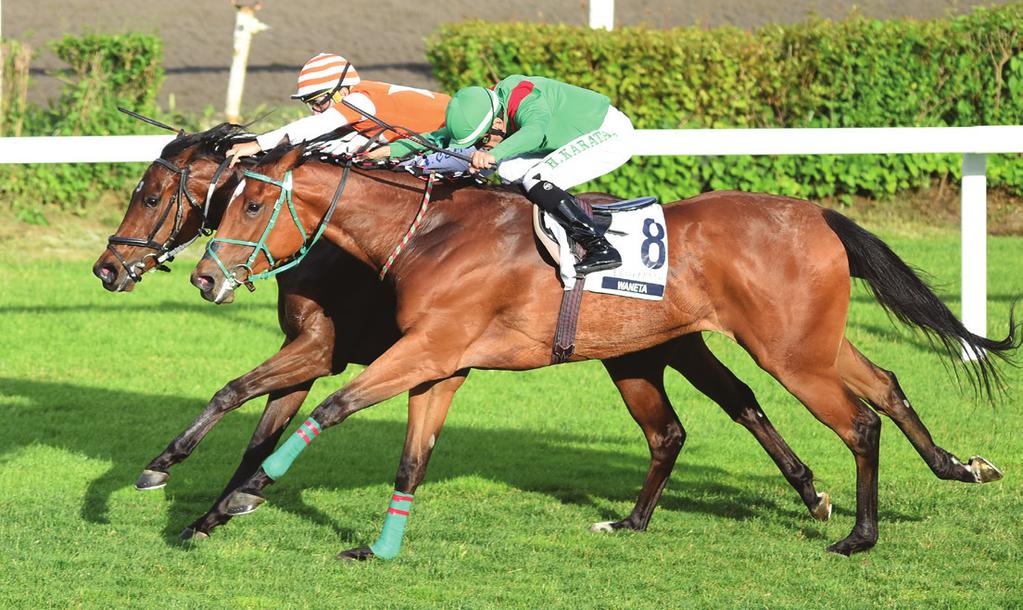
(255,245)
(172,205)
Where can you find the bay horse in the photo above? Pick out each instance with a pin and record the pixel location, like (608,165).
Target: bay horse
(773,273)
(328,324)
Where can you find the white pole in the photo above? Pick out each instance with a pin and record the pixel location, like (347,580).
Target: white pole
(245,26)
(602,14)
(974,251)
(2,64)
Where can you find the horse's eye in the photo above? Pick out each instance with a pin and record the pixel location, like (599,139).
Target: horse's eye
(151,201)
(252,208)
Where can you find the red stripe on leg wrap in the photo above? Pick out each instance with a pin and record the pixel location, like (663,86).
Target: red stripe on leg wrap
(401,498)
(398,511)
(309,424)
(304,436)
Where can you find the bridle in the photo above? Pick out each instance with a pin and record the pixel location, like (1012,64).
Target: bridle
(165,252)
(286,185)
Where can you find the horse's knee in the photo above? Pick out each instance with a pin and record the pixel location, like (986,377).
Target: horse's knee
(226,399)
(670,441)
(748,417)
(866,436)
(410,472)
(333,410)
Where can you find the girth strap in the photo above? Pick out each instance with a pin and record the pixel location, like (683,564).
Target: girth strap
(568,316)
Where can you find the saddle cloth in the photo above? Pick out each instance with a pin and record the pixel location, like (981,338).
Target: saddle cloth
(636,228)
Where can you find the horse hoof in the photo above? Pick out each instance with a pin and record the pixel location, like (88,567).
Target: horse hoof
(190,535)
(603,526)
(853,544)
(822,512)
(151,479)
(242,503)
(358,554)
(983,470)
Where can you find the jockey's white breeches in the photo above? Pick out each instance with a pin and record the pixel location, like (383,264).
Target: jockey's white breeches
(585,158)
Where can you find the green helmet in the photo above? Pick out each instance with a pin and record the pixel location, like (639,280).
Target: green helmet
(470,114)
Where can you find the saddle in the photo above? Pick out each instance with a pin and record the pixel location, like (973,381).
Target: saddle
(601,214)
(568,317)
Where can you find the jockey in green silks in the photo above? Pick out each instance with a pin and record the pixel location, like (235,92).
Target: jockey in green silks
(547,136)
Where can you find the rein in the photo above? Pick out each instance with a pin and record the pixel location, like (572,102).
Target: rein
(162,252)
(401,131)
(284,264)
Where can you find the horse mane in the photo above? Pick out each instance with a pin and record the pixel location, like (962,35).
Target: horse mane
(216,141)
(176,146)
(312,147)
(213,142)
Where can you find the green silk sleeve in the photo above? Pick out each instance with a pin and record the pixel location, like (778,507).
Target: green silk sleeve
(533,119)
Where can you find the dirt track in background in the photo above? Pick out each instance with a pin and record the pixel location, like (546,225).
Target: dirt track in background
(383,38)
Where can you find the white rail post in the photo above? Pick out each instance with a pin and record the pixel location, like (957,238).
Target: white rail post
(245,26)
(974,250)
(602,14)
(3,62)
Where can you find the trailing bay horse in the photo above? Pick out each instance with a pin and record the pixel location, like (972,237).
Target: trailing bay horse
(329,323)
(773,273)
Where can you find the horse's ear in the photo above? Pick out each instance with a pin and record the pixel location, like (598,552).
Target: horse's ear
(181,133)
(291,158)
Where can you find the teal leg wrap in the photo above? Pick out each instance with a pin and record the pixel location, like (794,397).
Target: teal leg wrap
(389,542)
(279,461)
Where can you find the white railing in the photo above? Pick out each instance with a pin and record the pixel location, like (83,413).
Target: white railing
(974,143)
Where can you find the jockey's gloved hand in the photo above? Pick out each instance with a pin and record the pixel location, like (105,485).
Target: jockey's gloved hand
(442,162)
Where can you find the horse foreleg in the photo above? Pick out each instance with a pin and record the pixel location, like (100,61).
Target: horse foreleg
(280,409)
(691,357)
(640,379)
(410,362)
(427,408)
(881,389)
(306,358)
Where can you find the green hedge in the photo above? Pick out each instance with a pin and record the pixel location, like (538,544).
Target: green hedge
(857,72)
(102,72)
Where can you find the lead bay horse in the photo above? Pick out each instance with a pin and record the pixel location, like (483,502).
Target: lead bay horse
(328,324)
(773,273)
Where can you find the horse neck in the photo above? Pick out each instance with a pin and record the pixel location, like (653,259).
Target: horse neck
(375,209)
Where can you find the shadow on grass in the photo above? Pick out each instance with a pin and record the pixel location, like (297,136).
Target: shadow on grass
(129,428)
(233,314)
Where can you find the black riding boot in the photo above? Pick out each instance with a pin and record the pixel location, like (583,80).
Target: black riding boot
(600,254)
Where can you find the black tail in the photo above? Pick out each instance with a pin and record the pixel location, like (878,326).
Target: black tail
(899,289)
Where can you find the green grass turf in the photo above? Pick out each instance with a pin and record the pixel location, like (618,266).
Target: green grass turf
(93,385)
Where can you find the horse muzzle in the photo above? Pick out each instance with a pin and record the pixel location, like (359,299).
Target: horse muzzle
(113,277)
(213,287)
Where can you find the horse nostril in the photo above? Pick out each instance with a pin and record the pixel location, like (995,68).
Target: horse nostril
(106,273)
(204,283)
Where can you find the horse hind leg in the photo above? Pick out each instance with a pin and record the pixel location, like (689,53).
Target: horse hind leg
(700,367)
(824,394)
(880,388)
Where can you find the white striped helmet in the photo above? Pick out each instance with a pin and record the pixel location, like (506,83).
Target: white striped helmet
(322,73)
